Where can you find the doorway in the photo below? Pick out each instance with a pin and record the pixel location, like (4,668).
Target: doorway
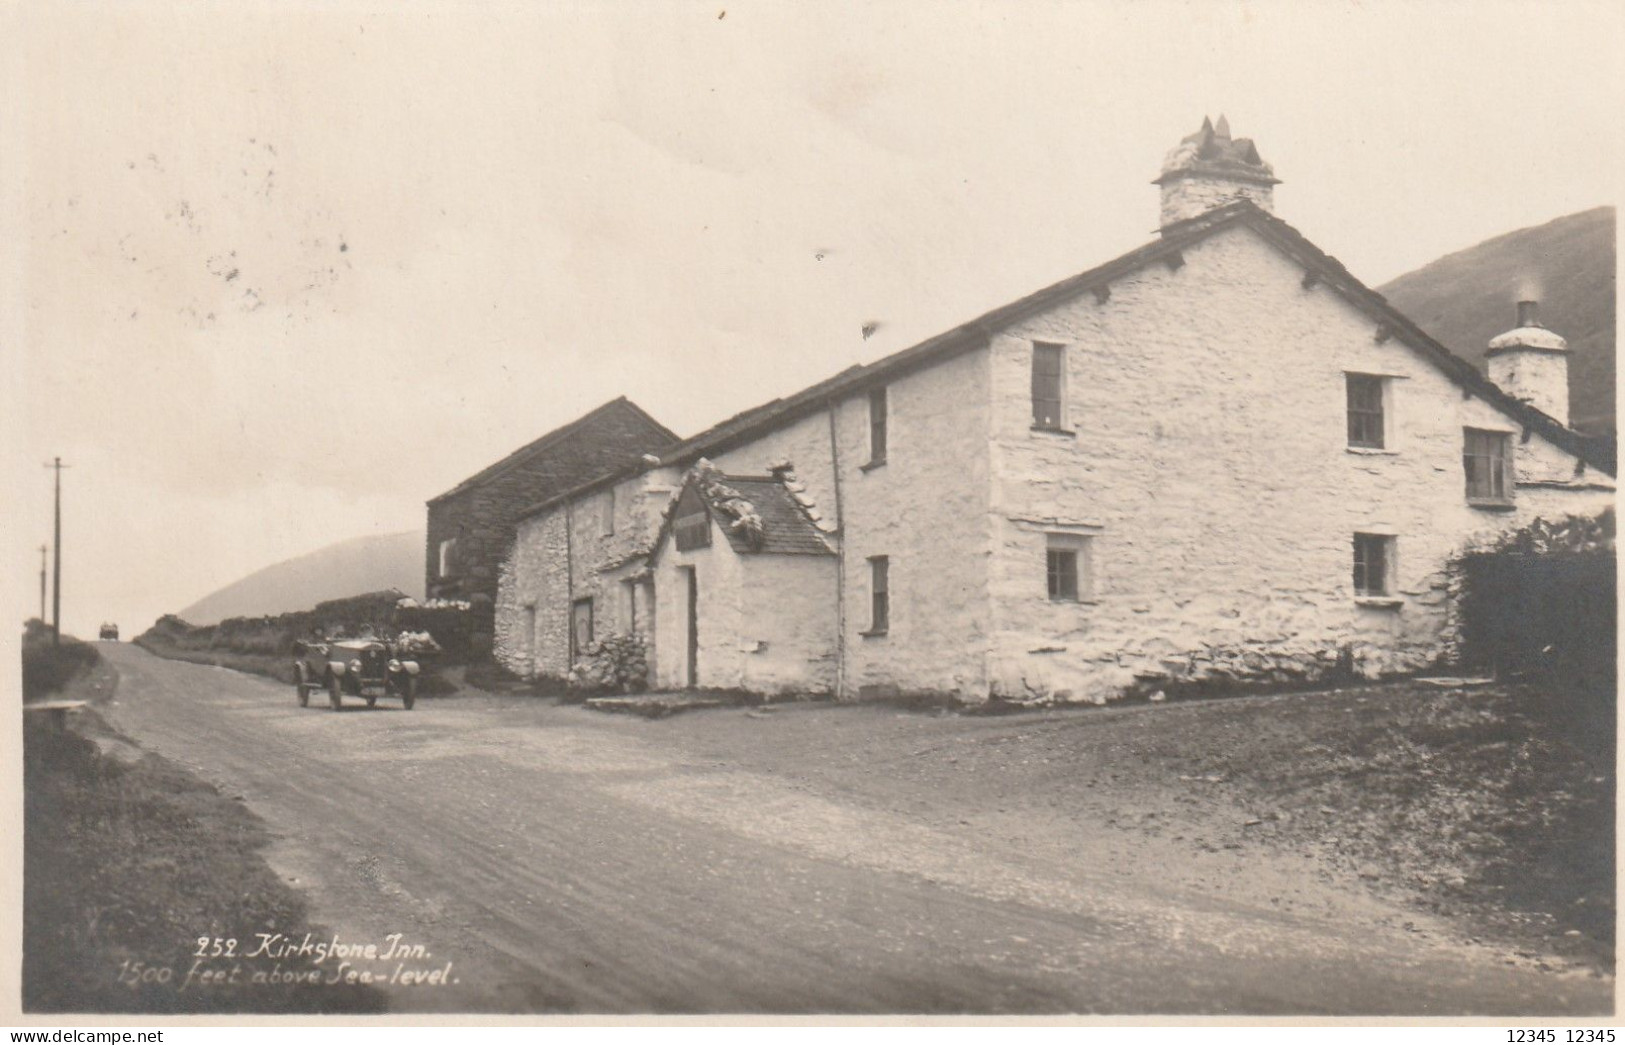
(691,673)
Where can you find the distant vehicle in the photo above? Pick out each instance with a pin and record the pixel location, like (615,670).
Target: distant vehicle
(109,633)
(363,668)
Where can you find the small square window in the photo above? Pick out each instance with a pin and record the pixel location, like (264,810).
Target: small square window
(1367,411)
(1373,564)
(1486,457)
(1068,567)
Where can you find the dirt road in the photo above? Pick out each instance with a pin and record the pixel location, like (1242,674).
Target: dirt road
(567,861)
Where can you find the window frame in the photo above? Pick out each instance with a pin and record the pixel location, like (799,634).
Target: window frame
(1079,547)
(879,426)
(879,596)
(695,536)
(577,646)
(1057,351)
(631,584)
(607,526)
(1386,545)
(1500,467)
(446,559)
(1383,413)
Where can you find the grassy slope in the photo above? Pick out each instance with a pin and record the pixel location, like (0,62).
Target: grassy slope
(131,862)
(1466,298)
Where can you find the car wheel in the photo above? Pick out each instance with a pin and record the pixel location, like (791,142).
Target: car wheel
(335,692)
(410,696)
(302,684)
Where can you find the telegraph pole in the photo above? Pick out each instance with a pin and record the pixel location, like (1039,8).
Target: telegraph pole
(42,584)
(56,560)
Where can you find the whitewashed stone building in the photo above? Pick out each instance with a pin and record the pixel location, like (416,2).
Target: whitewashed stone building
(1217,456)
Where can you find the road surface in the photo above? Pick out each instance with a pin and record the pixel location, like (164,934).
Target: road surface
(567,861)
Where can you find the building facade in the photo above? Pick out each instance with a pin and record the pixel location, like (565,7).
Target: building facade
(1219,456)
(470,526)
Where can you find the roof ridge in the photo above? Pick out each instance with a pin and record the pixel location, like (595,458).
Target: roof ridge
(547,439)
(1171,239)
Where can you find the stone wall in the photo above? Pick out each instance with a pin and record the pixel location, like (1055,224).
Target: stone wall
(534,577)
(1193,195)
(1204,463)
(788,624)
(1208,466)
(721,611)
(925,509)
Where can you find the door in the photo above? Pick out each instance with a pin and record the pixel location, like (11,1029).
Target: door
(580,628)
(692,657)
(530,641)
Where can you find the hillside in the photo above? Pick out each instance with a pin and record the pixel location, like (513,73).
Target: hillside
(1466,298)
(347,568)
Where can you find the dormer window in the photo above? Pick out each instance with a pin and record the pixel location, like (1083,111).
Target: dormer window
(691,524)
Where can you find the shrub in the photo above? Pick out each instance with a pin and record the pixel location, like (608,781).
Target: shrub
(1540,604)
(47,667)
(615,663)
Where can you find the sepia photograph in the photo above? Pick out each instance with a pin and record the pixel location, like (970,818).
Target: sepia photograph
(756,510)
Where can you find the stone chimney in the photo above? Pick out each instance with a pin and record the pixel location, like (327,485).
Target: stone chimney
(1531,363)
(1209,169)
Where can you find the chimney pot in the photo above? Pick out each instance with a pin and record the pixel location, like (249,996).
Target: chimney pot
(1528,314)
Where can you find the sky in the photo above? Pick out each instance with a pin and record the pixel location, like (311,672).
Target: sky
(283,272)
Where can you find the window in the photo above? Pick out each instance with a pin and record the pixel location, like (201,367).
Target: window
(877,426)
(609,511)
(448,558)
(1373,564)
(1366,418)
(1487,459)
(879,595)
(691,526)
(580,627)
(1049,381)
(1068,568)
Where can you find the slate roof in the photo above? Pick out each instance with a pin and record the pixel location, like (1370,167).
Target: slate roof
(566,472)
(976,334)
(1324,268)
(786,527)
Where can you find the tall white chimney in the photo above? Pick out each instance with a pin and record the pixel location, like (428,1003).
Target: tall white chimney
(1532,363)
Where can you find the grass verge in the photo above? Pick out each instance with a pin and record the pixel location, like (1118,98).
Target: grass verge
(48,666)
(125,866)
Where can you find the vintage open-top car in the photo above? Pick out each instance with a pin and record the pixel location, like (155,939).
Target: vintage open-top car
(365,668)
(109,633)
